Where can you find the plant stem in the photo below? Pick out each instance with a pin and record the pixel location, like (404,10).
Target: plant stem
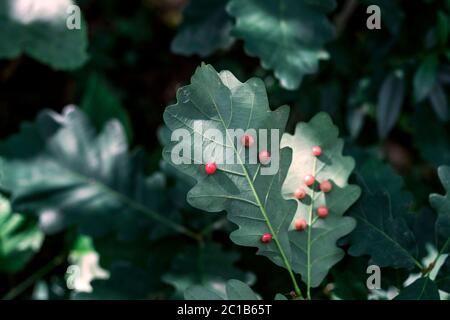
(433,264)
(21,287)
(272,231)
(259,203)
(310,211)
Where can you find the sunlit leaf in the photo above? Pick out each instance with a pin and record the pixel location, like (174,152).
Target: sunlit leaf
(39,29)
(67,174)
(20,239)
(287,35)
(314,250)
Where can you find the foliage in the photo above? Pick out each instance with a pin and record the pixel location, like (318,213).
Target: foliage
(93,204)
(39,30)
(20,239)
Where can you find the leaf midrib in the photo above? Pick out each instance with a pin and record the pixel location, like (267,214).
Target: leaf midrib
(358,217)
(124,198)
(255,194)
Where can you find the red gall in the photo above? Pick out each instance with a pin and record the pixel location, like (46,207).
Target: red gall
(299,193)
(300,224)
(309,180)
(264,157)
(322,212)
(247,140)
(266,238)
(210,168)
(316,151)
(326,186)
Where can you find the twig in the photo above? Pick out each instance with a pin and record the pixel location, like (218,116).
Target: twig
(21,287)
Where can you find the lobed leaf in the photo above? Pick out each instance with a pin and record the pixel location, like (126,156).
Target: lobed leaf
(314,250)
(382,231)
(66,174)
(253,201)
(287,35)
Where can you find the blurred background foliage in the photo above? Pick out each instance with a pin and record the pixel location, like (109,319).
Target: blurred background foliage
(387,90)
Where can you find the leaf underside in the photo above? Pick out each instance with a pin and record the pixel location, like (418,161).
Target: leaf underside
(253,201)
(314,250)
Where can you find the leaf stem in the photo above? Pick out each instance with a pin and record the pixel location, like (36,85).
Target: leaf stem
(21,287)
(261,207)
(269,225)
(430,268)
(310,222)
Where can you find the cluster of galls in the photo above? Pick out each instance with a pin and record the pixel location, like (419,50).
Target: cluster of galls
(247,140)
(299,193)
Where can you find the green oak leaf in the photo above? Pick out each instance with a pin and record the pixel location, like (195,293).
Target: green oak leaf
(61,170)
(20,239)
(287,35)
(38,29)
(206,27)
(422,289)
(443,277)
(442,206)
(234,290)
(252,200)
(382,231)
(314,250)
(209,266)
